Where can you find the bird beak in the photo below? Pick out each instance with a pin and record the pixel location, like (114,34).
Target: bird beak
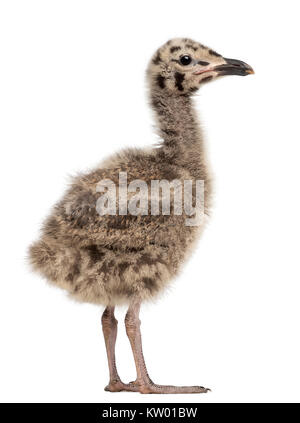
(233,67)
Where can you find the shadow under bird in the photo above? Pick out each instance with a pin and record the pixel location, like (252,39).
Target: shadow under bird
(117,259)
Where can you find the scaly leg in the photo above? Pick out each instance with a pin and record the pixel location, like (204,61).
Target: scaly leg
(143,382)
(110,328)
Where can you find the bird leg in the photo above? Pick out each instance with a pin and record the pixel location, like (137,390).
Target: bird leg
(110,328)
(143,382)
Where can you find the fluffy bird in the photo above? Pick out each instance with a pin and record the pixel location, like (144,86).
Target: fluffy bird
(112,259)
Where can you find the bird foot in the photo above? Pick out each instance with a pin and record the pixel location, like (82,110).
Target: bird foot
(152,388)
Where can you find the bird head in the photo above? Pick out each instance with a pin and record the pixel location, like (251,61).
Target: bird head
(182,65)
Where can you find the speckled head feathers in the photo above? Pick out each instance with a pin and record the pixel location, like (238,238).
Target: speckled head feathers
(182,65)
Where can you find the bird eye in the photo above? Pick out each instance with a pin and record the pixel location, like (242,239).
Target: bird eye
(185,60)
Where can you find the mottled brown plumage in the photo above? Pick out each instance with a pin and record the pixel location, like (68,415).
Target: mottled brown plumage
(110,259)
(115,259)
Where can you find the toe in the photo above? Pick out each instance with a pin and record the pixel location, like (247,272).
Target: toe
(169,389)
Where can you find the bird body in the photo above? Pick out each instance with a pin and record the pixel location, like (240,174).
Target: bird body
(126,257)
(110,259)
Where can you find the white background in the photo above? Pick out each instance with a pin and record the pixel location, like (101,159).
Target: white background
(72,90)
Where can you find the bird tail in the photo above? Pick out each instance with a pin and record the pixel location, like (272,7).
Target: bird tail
(40,256)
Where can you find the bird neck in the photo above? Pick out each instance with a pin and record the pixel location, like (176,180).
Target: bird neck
(179,128)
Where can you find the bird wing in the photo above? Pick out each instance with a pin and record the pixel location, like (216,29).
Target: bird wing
(76,220)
